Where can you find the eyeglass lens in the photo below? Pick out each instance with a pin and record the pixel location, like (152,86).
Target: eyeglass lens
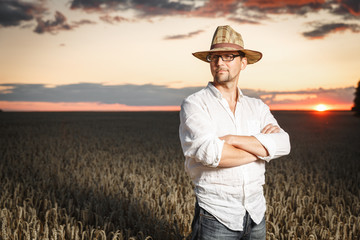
(225,57)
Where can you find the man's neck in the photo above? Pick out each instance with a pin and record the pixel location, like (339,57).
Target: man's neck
(228,90)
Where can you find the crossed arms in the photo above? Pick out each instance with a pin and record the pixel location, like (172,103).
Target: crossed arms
(239,150)
(200,142)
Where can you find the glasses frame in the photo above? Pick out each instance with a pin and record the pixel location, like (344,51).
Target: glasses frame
(221,56)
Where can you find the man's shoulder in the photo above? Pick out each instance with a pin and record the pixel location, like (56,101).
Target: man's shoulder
(196,101)
(253,101)
(197,96)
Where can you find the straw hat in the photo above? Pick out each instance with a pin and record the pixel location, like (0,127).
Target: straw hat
(225,39)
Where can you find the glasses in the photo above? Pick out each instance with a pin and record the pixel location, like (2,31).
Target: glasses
(224,57)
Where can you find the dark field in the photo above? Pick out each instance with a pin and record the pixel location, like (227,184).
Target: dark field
(121,176)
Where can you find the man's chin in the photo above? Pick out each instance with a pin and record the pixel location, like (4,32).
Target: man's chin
(221,80)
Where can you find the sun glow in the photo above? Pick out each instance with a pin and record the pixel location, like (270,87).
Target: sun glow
(321,107)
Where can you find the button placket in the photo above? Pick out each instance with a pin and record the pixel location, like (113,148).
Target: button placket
(226,106)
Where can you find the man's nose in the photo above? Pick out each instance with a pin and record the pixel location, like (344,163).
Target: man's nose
(219,61)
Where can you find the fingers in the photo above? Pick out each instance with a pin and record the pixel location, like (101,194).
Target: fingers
(270,128)
(226,138)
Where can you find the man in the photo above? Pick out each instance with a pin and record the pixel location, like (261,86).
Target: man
(226,138)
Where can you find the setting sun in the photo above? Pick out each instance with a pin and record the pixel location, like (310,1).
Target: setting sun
(321,107)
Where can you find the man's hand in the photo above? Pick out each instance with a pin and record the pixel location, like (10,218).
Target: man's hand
(270,128)
(227,139)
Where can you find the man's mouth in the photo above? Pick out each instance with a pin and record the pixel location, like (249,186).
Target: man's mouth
(220,70)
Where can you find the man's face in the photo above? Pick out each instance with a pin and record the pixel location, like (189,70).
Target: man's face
(227,71)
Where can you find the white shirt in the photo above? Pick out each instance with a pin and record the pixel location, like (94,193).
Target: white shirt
(227,193)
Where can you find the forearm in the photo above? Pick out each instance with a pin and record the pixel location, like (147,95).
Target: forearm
(233,157)
(249,144)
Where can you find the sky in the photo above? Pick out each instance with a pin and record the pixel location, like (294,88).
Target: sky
(135,55)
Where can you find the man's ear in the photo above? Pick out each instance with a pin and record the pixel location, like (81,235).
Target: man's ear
(243,63)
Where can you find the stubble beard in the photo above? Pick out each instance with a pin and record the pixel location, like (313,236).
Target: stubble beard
(222,78)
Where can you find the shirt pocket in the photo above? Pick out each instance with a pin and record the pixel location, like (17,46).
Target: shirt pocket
(253,127)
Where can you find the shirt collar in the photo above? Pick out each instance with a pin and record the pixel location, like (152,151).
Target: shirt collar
(218,94)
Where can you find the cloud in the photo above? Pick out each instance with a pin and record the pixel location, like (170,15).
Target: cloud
(300,7)
(322,30)
(308,96)
(144,7)
(245,12)
(151,8)
(114,19)
(82,22)
(304,7)
(52,26)
(243,20)
(352,6)
(13,12)
(132,95)
(96,5)
(58,24)
(155,95)
(183,36)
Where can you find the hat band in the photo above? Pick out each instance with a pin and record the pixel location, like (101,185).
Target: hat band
(226,45)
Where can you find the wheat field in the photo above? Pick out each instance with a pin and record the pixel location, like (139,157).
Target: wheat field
(121,176)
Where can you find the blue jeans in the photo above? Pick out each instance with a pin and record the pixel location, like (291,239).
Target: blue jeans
(207,227)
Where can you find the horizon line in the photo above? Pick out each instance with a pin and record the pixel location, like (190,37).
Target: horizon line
(114,111)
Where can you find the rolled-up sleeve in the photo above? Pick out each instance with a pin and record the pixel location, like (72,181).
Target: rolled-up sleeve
(277,144)
(197,135)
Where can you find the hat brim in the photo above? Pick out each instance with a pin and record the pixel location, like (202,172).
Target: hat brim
(251,55)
